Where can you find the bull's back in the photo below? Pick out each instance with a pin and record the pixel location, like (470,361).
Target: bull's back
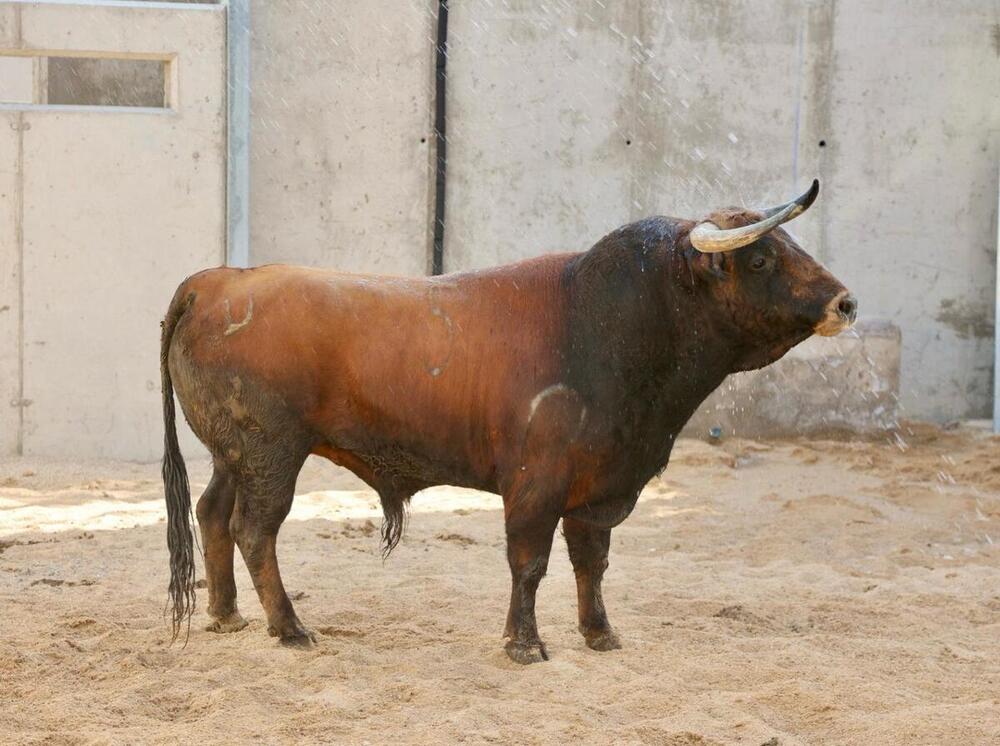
(438,370)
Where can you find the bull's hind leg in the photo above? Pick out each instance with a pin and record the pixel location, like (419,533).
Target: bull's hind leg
(214,510)
(262,503)
(588,551)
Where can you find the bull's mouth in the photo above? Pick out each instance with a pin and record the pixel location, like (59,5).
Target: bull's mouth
(840,314)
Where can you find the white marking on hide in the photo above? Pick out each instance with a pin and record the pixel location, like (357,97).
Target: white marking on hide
(233,327)
(560,388)
(556,388)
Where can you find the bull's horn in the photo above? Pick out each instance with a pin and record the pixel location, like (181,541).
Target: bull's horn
(709,238)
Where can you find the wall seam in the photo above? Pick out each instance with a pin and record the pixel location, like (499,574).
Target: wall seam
(237,65)
(634,131)
(19,240)
(824,118)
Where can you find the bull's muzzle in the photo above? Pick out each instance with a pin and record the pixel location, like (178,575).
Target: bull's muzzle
(840,314)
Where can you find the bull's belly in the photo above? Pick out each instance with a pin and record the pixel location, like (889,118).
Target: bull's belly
(240,420)
(390,466)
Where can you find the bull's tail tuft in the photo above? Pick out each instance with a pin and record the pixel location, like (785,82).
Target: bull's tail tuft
(393,521)
(180,539)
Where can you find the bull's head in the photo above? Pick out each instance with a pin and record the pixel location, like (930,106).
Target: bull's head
(771,293)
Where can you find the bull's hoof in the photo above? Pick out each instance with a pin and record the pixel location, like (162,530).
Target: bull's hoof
(232,623)
(294,635)
(602,640)
(304,641)
(526,652)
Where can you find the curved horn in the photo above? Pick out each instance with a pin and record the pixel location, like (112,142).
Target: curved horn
(709,238)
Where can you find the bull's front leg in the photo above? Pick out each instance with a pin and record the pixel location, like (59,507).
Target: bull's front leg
(588,551)
(530,528)
(533,504)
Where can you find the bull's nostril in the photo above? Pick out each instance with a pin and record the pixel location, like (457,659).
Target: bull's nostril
(848,307)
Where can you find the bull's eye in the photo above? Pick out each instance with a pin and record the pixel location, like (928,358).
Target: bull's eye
(758,263)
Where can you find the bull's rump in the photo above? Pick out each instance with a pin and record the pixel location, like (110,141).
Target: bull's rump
(438,370)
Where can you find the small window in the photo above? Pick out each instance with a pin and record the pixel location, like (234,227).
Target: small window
(82,81)
(58,79)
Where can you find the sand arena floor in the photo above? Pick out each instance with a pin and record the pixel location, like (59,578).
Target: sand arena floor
(766,593)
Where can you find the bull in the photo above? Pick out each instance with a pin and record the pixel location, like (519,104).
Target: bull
(560,383)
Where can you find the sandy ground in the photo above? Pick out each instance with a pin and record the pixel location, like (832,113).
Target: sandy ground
(766,593)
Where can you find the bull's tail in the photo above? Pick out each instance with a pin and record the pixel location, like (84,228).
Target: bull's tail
(180,540)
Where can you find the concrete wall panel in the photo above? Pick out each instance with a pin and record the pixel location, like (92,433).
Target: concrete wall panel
(119,208)
(911,210)
(716,116)
(341,134)
(568,122)
(538,112)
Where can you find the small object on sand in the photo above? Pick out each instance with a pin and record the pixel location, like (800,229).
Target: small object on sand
(715,434)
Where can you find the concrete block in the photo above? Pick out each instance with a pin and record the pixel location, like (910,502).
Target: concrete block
(848,383)
(10,26)
(16,80)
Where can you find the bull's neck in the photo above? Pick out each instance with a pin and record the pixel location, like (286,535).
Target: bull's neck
(642,345)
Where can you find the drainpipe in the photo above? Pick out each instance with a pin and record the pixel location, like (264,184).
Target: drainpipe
(441,143)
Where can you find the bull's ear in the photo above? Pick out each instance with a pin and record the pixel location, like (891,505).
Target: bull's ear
(710,267)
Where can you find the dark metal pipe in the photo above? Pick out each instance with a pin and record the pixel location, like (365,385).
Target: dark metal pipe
(441,143)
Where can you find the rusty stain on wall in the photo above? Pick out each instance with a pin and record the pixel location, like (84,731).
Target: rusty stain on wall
(967,318)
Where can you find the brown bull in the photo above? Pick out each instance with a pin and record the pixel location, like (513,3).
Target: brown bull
(559,383)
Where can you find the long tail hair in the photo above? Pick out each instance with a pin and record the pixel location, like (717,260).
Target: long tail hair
(393,521)
(180,539)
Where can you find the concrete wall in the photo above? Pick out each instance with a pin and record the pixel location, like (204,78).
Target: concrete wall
(341,134)
(102,213)
(564,125)
(569,119)
(566,120)
(914,133)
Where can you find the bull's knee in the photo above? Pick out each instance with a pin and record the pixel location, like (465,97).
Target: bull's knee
(531,572)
